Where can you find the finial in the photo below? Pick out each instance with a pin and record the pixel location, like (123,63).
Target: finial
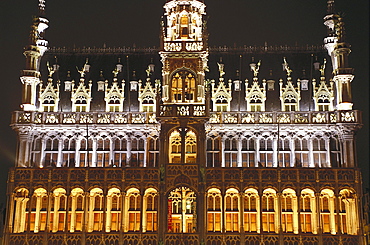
(286,68)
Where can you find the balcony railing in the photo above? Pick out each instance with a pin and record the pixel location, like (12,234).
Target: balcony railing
(299,117)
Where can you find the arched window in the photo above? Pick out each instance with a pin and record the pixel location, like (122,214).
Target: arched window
(58,210)
(289,211)
(20,215)
(348,212)
(76,210)
(183,87)
(51,152)
(323,102)
(81,103)
(113,215)
(68,152)
(319,152)
(120,152)
(150,222)
(133,210)
(37,214)
(231,152)
(95,221)
(182,210)
(327,211)
(175,148)
(266,152)
(102,152)
(308,211)
(251,211)
(290,103)
(269,211)
(213,151)
(214,210)
(232,210)
(301,152)
(153,156)
(248,152)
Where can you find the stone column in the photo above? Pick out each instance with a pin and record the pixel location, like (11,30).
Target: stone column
(60,153)
(239,156)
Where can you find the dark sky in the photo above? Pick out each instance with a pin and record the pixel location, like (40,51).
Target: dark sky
(126,22)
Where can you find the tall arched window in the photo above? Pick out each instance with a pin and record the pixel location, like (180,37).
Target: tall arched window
(327,211)
(251,211)
(76,210)
(213,151)
(182,210)
(37,215)
(96,199)
(113,215)
(150,222)
(175,148)
(183,87)
(58,210)
(20,215)
(269,211)
(232,210)
(289,215)
(133,210)
(348,212)
(308,211)
(214,210)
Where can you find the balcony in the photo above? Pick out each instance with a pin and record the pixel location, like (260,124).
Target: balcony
(184,111)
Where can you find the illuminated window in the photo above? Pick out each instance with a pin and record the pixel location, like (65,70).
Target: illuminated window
(256,103)
(150,222)
(183,87)
(290,102)
(113,214)
(327,209)
(348,212)
(308,211)
(251,211)
(49,103)
(58,210)
(76,210)
(37,214)
(133,210)
(289,215)
(213,152)
(95,220)
(269,211)
(232,210)
(323,102)
(214,210)
(80,103)
(114,103)
(190,141)
(222,103)
(181,211)
(231,152)
(335,154)
(20,214)
(36,152)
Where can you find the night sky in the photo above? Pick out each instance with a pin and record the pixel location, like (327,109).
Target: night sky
(119,23)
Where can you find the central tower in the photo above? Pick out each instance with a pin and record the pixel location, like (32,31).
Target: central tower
(184,52)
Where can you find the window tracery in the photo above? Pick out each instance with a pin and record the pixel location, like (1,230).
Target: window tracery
(114,96)
(255,96)
(327,211)
(269,211)
(232,210)
(289,211)
(252,211)
(76,205)
(81,97)
(49,97)
(132,217)
(290,96)
(113,213)
(323,95)
(58,210)
(308,211)
(150,222)
(214,210)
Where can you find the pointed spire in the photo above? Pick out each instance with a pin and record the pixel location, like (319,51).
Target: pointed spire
(42,7)
(331,7)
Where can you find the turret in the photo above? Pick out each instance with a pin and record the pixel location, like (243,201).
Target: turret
(30,76)
(339,51)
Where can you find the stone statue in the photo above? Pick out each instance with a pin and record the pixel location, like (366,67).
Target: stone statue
(322,68)
(221,67)
(256,69)
(286,68)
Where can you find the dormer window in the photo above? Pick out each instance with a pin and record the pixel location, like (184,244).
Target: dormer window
(256,103)
(323,102)
(81,103)
(221,103)
(49,103)
(290,103)
(114,103)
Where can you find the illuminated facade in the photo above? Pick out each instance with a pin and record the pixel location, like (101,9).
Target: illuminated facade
(187,154)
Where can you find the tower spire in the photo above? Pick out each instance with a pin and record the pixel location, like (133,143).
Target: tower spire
(30,76)
(331,7)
